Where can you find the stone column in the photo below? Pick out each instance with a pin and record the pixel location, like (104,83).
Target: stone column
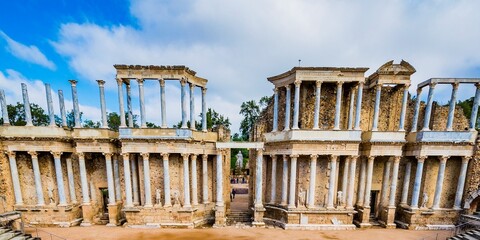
(219,173)
(401,125)
(103,106)
(76,109)
(17,190)
(136,192)
(193,159)
(166,180)
(71,181)
(37,178)
(116,175)
(358,111)
(461,183)
(346,166)
(26,105)
(451,108)
(385,182)
(406,183)
(331,181)
(146,180)
(287,108)
(439,186)
(186,182)
(361,182)
(316,115)
(120,103)
(62,108)
(416,110)
(129,105)
(205,179)
(204,109)
(350,112)
(428,108)
(418,182)
(376,110)
(259,179)
(273,193)
(368,187)
(275,110)
(293,181)
(284,181)
(313,176)
(476,101)
(83,178)
(162,103)
(351,175)
(51,114)
(296,104)
(3,104)
(127,180)
(183,84)
(110,183)
(143,114)
(338,105)
(393,186)
(192,106)
(59,176)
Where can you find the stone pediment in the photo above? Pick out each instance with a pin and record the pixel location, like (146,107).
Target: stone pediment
(392,73)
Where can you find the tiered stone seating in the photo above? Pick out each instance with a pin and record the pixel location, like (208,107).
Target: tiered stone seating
(470,235)
(9,234)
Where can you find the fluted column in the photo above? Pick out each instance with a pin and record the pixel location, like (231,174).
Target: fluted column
(127,180)
(376,110)
(116,176)
(275,110)
(345,183)
(293,181)
(134,168)
(186,181)
(146,180)
(476,101)
(418,182)
(143,114)
(83,178)
(71,180)
(3,104)
(316,115)
(361,182)
(358,111)
(183,84)
(273,181)
(26,105)
(406,183)
(51,114)
(103,107)
(461,183)
(129,104)
(313,176)
(368,185)
(76,109)
(219,176)
(338,105)
(162,103)
(416,110)
(120,103)
(194,179)
(350,110)
(284,181)
(59,177)
(204,109)
(37,178)
(259,179)
(296,104)
(192,106)
(401,125)
(205,178)
(331,181)
(110,183)
(17,190)
(385,182)
(428,109)
(351,186)
(287,108)
(393,186)
(451,108)
(63,114)
(166,180)
(439,185)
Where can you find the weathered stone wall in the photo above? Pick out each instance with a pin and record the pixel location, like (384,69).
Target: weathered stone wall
(6,186)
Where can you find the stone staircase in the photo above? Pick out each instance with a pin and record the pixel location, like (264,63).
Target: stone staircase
(9,234)
(239,217)
(470,235)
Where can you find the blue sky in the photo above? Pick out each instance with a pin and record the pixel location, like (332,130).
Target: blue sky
(236,45)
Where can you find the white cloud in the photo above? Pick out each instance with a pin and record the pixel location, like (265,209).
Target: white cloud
(27,53)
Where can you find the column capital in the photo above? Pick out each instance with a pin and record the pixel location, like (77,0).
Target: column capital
(56,154)
(287,86)
(313,157)
(204,157)
(354,158)
(419,91)
(455,85)
(333,158)
(318,83)
(140,81)
(145,155)
(466,159)
(126,156)
(193,156)
(204,90)
(297,83)
(339,83)
(275,90)
(101,83)
(273,156)
(396,159)
(162,82)
(183,82)
(432,85)
(406,86)
(191,85)
(119,81)
(33,154)
(80,154)
(165,156)
(370,158)
(294,156)
(443,159)
(185,156)
(259,151)
(108,155)
(73,82)
(378,86)
(11,153)
(421,158)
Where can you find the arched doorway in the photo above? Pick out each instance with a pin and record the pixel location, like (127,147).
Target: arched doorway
(472,203)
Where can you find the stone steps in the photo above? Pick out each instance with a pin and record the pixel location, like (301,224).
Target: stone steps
(470,235)
(238,217)
(9,234)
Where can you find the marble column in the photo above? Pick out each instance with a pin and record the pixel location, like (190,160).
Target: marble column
(275,110)
(204,109)
(362,182)
(76,109)
(273,193)
(393,186)
(127,180)
(83,178)
(166,180)
(134,168)
(376,110)
(110,183)
(428,108)
(331,181)
(219,177)
(26,105)
(346,166)
(439,185)
(59,177)
(316,114)
(451,108)
(205,179)
(416,110)
(146,180)
(116,175)
(418,182)
(368,185)
(3,104)
(17,190)
(338,105)
(406,183)
(186,181)
(63,114)
(287,108)
(476,101)
(351,186)
(385,182)
(296,104)
(71,181)
(192,106)
(143,114)
(358,111)
(293,181)
(162,103)
(51,114)
(401,125)
(129,105)
(259,179)
(103,106)
(183,83)
(193,159)
(37,178)
(313,177)
(350,110)
(120,103)
(461,183)
(284,181)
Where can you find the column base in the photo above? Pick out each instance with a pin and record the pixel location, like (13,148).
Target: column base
(113,214)
(87,215)
(84,224)
(220,219)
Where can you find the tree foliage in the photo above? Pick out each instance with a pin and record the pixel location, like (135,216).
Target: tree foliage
(250,111)
(16,115)
(214,119)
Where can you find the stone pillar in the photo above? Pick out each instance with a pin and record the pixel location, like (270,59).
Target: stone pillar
(273,193)
(103,106)
(219,166)
(26,105)
(193,159)
(17,190)
(316,115)
(143,114)
(63,114)
(3,104)
(376,110)
(275,110)
(406,183)
(116,175)
(120,103)
(451,108)
(129,105)
(416,110)
(284,181)
(166,180)
(346,166)
(385,182)
(338,105)
(259,179)
(127,180)
(461,183)
(393,186)
(59,176)
(183,84)
(186,182)
(351,186)
(293,181)
(331,181)
(401,125)
(136,192)
(205,179)
(296,104)
(192,106)
(350,112)
(361,182)
(418,182)
(439,185)
(473,116)
(76,109)
(287,108)
(313,176)
(428,108)
(110,183)
(51,114)
(162,103)
(204,109)
(71,181)
(37,178)
(83,178)
(358,111)
(146,180)
(368,185)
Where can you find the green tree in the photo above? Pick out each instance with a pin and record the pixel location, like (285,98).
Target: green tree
(264,101)
(113,121)
(250,111)
(214,119)
(16,115)
(71,119)
(91,124)
(152,125)
(467,106)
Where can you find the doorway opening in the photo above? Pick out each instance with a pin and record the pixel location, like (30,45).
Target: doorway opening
(104,212)
(373,202)
(239,185)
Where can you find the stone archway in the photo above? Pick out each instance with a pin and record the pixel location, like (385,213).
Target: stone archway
(472,201)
